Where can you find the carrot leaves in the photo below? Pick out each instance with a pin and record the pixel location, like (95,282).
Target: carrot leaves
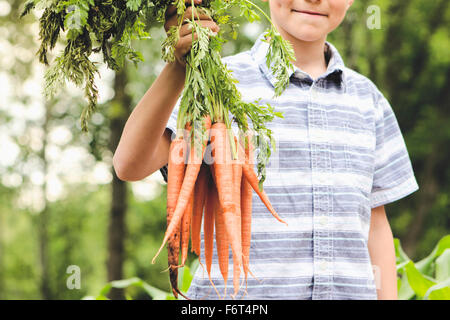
(109,27)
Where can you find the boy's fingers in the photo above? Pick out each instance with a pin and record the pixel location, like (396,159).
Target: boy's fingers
(173,20)
(198,15)
(184,30)
(189,2)
(185,43)
(170,11)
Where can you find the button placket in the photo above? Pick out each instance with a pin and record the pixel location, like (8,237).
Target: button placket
(346,150)
(320,166)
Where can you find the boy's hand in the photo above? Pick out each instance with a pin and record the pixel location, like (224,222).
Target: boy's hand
(185,42)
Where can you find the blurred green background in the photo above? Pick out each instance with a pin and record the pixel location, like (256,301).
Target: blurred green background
(62,205)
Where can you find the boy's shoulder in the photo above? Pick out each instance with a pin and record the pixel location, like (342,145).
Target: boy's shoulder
(241,60)
(362,86)
(251,81)
(361,83)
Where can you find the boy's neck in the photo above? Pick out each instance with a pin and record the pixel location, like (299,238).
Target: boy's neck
(309,55)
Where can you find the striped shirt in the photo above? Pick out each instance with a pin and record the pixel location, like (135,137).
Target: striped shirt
(339,153)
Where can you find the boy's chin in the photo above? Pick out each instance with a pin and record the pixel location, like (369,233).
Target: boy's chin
(309,36)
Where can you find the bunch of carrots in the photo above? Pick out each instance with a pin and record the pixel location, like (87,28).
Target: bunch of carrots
(216,186)
(217,190)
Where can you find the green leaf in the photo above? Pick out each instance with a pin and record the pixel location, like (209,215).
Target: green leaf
(418,282)
(43,4)
(440,291)
(405,292)
(187,279)
(76,19)
(133,4)
(120,284)
(399,253)
(28,6)
(184,278)
(105,289)
(154,293)
(401,266)
(247,12)
(194,266)
(442,264)
(425,265)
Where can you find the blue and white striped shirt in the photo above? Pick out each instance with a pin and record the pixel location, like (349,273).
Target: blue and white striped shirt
(339,153)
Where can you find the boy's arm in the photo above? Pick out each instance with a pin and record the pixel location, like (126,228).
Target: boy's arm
(144,144)
(382,254)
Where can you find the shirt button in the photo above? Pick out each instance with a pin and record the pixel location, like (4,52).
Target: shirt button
(323,221)
(323,266)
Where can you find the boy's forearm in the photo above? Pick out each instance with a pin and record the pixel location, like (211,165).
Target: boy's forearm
(382,254)
(145,126)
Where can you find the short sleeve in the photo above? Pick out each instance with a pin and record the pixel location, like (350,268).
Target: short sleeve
(172,126)
(393,176)
(172,122)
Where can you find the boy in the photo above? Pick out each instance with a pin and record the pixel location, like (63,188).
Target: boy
(341,157)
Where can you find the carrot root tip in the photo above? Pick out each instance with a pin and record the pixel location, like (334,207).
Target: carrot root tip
(165,270)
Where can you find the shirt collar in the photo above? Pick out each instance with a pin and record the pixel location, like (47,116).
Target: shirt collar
(335,65)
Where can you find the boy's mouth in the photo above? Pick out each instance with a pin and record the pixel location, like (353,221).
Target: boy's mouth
(312,13)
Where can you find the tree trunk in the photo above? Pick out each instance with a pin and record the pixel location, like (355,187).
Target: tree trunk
(117,226)
(43,218)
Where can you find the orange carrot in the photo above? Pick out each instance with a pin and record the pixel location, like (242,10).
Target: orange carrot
(185,219)
(176,167)
(222,243)
(199,202)
(250,175)
(185,228)
(224,181)
(237,175)
(190,176)
(246,210)
(208,226)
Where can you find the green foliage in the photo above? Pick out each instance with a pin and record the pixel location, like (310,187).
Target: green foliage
(279,55)
(153,292)
(209,87)
(77,235)
(91,26)
(427,279)
(76,17)
(185,276)
(134,4)
(112,26)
